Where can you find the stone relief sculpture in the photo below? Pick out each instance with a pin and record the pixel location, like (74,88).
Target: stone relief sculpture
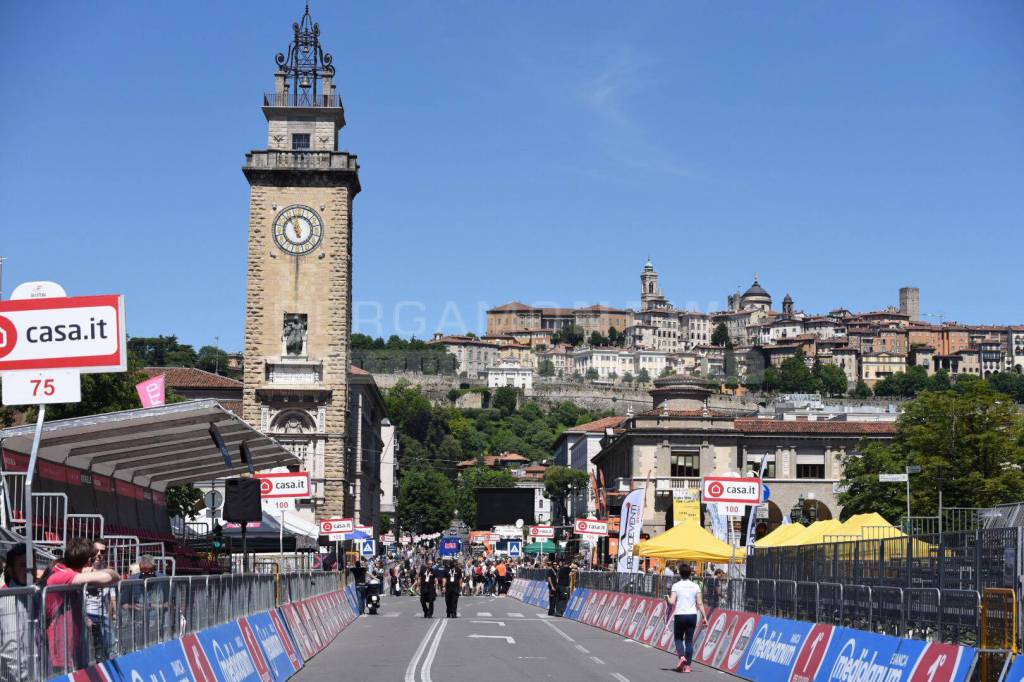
(294,333)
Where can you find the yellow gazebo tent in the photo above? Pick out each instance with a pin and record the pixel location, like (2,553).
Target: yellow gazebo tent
(779,535)
(813,533)
(689,541)
(873,526)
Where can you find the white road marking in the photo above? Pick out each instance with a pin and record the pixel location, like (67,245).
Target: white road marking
(583,648)
(558,630)
(516,615)
(620,677)
(508,639)
(483,614)
(428,660)
(499,623)
(410,670)
(595,659)
(392,615)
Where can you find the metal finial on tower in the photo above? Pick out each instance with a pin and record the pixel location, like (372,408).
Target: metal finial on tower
(306,63)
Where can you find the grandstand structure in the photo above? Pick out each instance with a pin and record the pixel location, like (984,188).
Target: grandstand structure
(106,476)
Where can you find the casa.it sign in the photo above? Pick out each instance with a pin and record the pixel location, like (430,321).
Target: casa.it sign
(591,527)
(731,489)
(333,526)
(284,485)
(85,333)
(542,531)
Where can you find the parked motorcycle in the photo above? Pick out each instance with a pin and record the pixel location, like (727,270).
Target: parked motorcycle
(373,590)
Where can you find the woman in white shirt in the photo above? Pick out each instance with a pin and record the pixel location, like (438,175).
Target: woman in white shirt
(688,606)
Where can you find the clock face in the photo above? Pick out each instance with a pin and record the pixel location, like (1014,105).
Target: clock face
(298,230)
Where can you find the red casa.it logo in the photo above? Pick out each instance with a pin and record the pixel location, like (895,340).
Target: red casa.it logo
(8,336)
(266,486)
(716,489)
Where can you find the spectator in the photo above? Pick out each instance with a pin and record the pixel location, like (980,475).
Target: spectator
(63,608)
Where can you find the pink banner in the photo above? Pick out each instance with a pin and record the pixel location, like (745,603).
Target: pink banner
(151,391)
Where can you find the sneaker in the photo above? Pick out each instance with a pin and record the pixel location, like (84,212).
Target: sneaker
(681,665)
(686,669)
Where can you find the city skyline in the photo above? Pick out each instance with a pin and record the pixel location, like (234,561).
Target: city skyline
(842,154)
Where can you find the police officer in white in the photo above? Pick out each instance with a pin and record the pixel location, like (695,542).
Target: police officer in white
(686,599)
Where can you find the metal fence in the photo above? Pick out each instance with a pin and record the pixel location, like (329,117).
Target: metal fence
(58,629)
(970,560)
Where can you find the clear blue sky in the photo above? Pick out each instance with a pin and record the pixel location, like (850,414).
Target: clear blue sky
(530,150)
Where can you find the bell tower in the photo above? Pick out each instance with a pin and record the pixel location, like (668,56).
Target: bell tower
(299,280)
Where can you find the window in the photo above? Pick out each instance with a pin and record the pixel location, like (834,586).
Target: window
(769,468)
(300,140)
(810,471)
(686,464)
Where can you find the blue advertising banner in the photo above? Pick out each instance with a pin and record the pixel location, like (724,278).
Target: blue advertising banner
(228,654)
(936,661)
(576,602)
(859,655)
(282,666)
(159,662)
(450,547)
(773,649)
(1016,672)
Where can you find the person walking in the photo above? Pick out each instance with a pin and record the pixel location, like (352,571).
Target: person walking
(687,606)
(452,589)
(426,583)
(358,573)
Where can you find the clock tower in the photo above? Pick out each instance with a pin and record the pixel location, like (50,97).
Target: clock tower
(299,284)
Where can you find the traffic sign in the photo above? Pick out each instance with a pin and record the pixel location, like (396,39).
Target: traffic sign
(42,387)
(335,526)
(542,531)
(913,468)
(731,489)
(767,495)
(515,549)
(284,485)
(591,527)
(892,478)
(86,333)
(369,548)
(213,499)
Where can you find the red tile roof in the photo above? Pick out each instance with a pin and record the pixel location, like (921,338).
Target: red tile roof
(190,377)
(599,425)
(514,306)
(358,370)
(658,412)
(828,427)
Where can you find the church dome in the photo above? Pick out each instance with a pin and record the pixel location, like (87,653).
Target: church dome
(756,295)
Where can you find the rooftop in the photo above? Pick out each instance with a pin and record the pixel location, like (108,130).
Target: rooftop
(191,377)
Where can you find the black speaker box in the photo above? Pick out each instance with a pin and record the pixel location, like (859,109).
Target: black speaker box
(242,500)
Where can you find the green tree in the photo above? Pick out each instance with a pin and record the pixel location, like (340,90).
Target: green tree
(473,479)
(861,390)
(795,376)
(386,523)
(643,376)
(1010,383)
(973,441)
(426,500)
(940,381)
(831,377)
(614,337)
(720,336)
(771,380)
(628,378)
(162,351)
(573,335)
(560,481)
(667,372)
(184,501)
(546,368)
(591,374)
(213,359)
(598,339)
(505,399)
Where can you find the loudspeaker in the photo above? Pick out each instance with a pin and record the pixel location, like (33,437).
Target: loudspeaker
(242,500)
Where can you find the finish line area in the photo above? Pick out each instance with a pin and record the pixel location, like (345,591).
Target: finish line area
(495,638)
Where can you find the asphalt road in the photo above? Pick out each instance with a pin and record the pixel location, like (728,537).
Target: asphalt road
(493,640)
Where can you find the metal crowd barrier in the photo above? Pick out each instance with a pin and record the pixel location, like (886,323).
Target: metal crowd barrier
(58,629)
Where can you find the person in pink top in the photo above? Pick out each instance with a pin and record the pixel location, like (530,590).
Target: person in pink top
(64,609)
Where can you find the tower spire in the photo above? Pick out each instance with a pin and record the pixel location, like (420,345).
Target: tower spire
(306,69)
